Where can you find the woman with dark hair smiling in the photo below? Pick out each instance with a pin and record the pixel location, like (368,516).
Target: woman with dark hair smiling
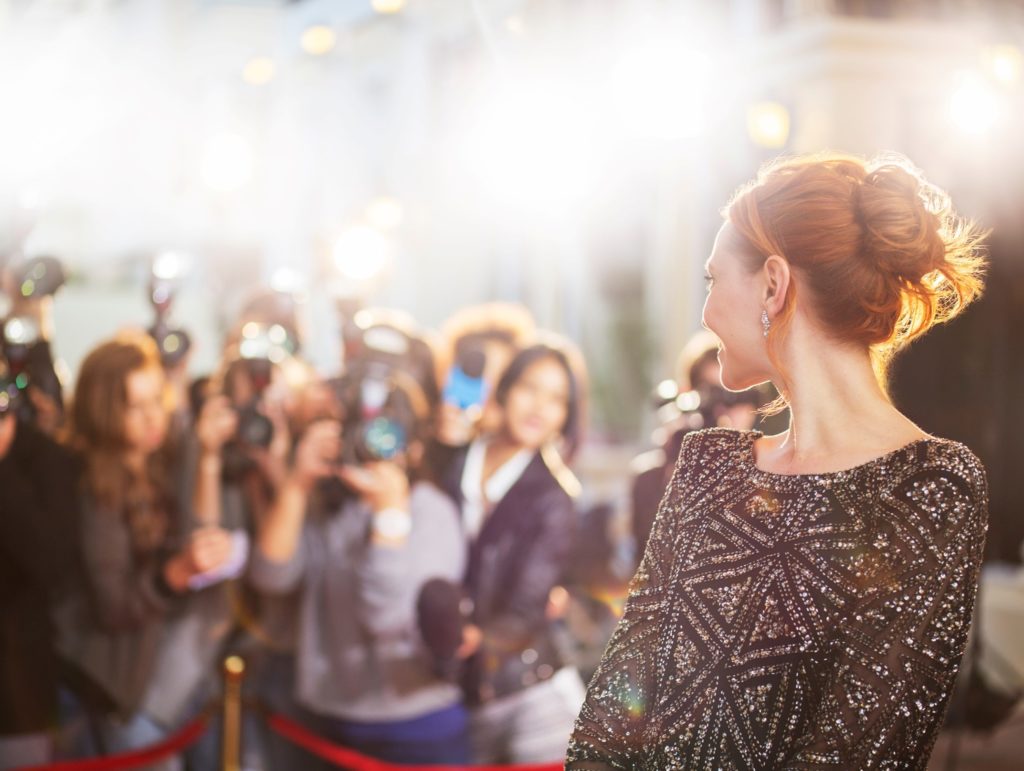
(516,496)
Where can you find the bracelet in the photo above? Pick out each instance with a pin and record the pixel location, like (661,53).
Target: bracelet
(392,524)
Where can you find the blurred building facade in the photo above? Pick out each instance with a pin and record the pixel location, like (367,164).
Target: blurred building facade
(569,154)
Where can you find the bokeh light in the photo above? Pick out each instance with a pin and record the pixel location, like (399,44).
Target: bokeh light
(768,124)
(318,40)
(259,71)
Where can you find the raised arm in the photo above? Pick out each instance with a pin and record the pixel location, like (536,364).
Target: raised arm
(277,562)
(216,424)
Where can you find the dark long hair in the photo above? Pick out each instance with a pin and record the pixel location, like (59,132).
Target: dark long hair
(571,362)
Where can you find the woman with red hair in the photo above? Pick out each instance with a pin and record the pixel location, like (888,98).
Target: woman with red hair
(804,599)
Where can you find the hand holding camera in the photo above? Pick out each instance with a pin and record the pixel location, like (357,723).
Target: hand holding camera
(217,424)
(28,377)
(208,549)
(382,485)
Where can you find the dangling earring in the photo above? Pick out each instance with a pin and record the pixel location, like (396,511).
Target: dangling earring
(765,322)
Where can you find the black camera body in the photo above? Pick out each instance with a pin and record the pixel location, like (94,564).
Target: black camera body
(385,397)
(174,342)
(26,353)
(260,348)
(379,421)
(255,429)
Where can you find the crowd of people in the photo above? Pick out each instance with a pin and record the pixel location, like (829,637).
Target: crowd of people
(387,549)
(394,550)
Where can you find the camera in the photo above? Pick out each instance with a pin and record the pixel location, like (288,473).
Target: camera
(173,342)
(26,352)
(702,407)
(384,406)
(38,277)
(379,418)
(246,380)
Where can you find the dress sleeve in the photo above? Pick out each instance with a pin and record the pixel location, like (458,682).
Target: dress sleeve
(900,647)
(609,732)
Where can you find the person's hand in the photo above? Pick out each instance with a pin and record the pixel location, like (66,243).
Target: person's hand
(472,637)
(382,485)
(558,603)
(456,427)
(8,430)
(273,460)
(208,548)
(316,453)
(217,423)
(48,412)
(178,380)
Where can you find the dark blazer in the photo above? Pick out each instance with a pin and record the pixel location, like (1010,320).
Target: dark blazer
(38,505)
(519,555)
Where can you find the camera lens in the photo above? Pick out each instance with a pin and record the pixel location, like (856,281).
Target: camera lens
(254,428)
(383,438)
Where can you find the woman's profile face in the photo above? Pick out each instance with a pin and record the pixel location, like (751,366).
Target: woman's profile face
(732,311)
(537,404)
(145,411)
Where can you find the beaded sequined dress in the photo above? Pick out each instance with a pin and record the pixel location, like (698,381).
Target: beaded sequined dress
(811,621)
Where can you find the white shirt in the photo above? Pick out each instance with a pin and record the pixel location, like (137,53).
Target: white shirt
(478,497)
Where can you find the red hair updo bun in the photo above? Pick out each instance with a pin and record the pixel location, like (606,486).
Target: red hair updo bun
(878,251)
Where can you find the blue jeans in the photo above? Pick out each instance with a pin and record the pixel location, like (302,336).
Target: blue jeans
(440,737)
(137,732)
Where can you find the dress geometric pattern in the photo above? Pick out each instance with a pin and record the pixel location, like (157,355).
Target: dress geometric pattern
(811,621)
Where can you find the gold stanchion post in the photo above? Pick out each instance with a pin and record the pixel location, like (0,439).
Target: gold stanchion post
(231,731)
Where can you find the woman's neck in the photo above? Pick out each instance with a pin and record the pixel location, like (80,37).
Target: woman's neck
(500,450)
(838,410)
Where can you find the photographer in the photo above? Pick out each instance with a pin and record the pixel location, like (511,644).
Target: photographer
(357,561)
(253,458)
(142,558)
(37,521)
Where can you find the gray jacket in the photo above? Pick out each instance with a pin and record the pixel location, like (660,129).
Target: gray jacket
(143,650)
(359,655)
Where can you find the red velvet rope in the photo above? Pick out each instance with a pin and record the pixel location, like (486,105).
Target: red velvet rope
(172,745)
(353,761)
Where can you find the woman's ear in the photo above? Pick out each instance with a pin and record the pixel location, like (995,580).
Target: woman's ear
(777,277)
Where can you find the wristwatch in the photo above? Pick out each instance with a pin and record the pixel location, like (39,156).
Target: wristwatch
(392,524)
